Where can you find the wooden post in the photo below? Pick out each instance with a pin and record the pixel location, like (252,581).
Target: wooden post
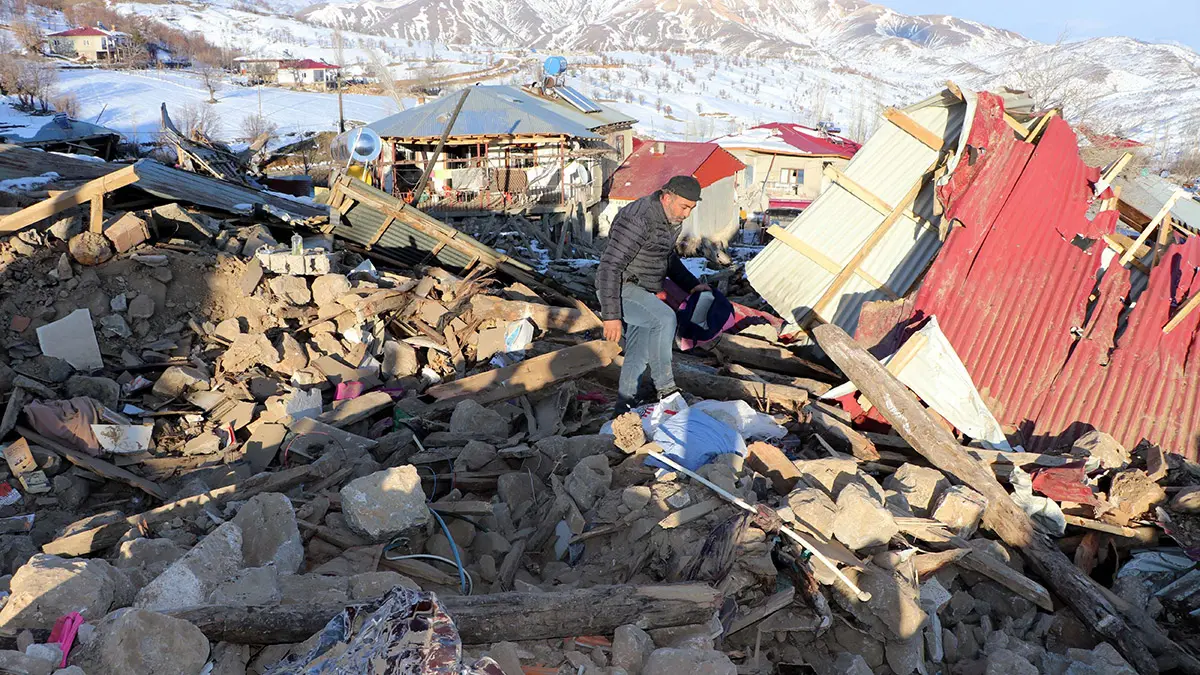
(96,217)
(907,416)
(441,144)
(484,619)
(84,193)
(1164,212)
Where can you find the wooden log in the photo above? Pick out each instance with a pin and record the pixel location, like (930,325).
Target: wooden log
(484,619)
(84,193)
(412,568)
(841,436)
(757,353)
(545,317)
(527,376)
(770,605)
(729,388)
(906,414)
(95,465)
(102,537)
(347,412)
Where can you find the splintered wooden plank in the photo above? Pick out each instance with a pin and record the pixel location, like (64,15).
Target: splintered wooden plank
(84,193)
(914,128)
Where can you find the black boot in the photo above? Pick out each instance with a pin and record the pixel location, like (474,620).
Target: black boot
(623,405)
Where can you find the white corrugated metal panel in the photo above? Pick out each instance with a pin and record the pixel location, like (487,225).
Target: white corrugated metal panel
(1147,193)
(838,223)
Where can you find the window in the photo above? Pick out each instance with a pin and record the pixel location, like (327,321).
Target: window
(749,174)
(791,176)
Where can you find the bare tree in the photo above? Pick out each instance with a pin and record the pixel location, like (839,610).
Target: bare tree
(1052,80)
(377,63)
(198,118)
(256,125)
(27,34)
(210,76)
(429,79)
(339,47)
(31,80)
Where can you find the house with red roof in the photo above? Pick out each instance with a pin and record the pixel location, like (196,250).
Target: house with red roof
(653,163)
(90,43)
(785,164)
(306,72)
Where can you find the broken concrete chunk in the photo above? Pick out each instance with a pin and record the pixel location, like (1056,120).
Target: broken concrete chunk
(115,325)
(292,356)
(920,486)
(518,488)
(399,360)
(276,537)
(127,232)
(249,587)
(1103,448)
(1134,493)
(178,380)
(631,648)
(314,589)
(471,419)
(144,559)
(189,580)
(291,289)
(628,433)
(263,445)
(140,642)
(327,288)
(385,503)
(141,307)
(173,221)
(18,663)
(814,510)
(831,475)
(474,456)
(960,508)
(588,481)
(671,661)
(90,248)
(47,587)
(246,351)
(371,585)
(861,520)
(73,340)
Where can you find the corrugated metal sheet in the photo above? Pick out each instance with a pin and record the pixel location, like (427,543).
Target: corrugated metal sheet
(497,111)
(176,185)
(838,223)
(1012,287)
(1147,193)
(786,138)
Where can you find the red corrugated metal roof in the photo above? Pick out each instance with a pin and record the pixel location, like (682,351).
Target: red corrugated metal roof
(1011,292)
(306,64)
(784,137)
(788,203)
(646,170)
(87,31)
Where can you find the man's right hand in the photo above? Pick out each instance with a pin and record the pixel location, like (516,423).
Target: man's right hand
(612,330)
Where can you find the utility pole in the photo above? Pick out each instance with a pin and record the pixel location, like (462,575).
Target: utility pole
(341,111)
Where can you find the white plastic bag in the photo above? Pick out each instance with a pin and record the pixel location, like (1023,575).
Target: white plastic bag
(693,439)
(748,422)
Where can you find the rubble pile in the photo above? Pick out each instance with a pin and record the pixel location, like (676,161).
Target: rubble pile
(243,441)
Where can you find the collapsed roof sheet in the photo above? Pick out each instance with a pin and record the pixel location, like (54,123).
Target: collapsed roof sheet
(1011,289)
(19,162)
(650,167)
(789,139)
(844,249)
(1147,193)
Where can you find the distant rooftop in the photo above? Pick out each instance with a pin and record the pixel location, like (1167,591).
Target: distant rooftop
(306,64)
(789,139)
(653,163)
(87,31)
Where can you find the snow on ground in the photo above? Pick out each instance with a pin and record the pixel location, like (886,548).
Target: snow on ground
(128,102)
(18,123)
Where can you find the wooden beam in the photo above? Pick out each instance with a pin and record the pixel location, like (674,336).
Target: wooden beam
(1096,525)
(96,214)
(84,193)
(1120,244)
(95,465)
(757,353)
(860,256)
(863,194)
(904,356)
(800,246)
(906,414)
(731,389)
(1158,218)
(484,619)
(914,128)
(1188,308)
(533,374)
(1040,126)
(1016,126)
(1113,171)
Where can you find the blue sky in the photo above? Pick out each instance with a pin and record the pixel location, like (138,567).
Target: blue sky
(1148,20)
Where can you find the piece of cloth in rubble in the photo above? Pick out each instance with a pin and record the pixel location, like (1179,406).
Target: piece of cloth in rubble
(68,421)
(712,320)
(404,632)
(694,439)
(1045,512)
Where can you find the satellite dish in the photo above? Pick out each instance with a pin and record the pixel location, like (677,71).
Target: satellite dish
(555,65)
(357,145)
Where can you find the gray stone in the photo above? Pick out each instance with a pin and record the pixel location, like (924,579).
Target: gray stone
(315,589)
(17,663)
(275,536)
(960,508)
(48,587)
(190,580)
(558,454)
(291,289)
(832,475)
(490,544)
(631,648)
(371,585)
(813,509)
(850,664)
(103,389)
(671,661)
(67,226)
(858,642)
(76,670)
(471,419)
(507,656)
(63,269)
(905,656)
(385,503)
(171,220)
(588,481)
(229,658)
(327,288)
(119,303)
(49,652)
(517,488)
(71,491)
(861,520)
(636,497)
(141,307)
(921,486)
(116,326)
(229,329)
(178,380)
(249,587)
(1008,662)
(474,456)
(141,642)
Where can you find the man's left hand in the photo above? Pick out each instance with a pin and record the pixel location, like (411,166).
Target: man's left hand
(699,288)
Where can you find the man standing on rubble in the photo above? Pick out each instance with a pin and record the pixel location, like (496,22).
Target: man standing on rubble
(629,283)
